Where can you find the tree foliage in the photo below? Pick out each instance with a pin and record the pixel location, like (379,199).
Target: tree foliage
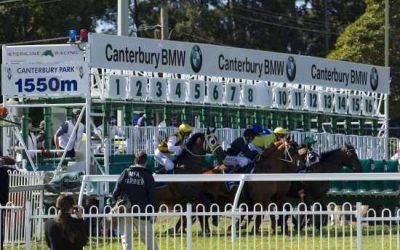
(363,42)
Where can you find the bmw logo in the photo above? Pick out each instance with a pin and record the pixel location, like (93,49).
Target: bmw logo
(374,79)
(196,58)
(291,68)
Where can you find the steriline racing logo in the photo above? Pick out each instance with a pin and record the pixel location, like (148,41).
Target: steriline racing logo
(48,52)
(291,68)
(374,79)
(9,74)
(196,58)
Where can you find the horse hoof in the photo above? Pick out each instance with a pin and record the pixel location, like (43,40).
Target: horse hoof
(215,222)
(171,231)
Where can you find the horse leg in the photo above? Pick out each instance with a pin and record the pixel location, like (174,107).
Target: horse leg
(205,226)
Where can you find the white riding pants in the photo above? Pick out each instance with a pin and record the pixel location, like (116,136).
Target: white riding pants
(165,160)
(240,160)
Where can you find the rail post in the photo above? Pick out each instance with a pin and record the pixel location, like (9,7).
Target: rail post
(235,207)
(28,225)
(359,225)
(189,226)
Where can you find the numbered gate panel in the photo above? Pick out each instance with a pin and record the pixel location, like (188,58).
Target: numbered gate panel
(158,89)
(248,96)
(197,91)
(296,99)
(232,94)
(177,91)
(215,92)
(341,103)
(355,102)
(281,98)
(116,87)
(138,88)
(326,102)
(368,105)
(312,101)
(264,95)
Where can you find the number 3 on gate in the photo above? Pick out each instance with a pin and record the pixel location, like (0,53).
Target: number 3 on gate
(158,89)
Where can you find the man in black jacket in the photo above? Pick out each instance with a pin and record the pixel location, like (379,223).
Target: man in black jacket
(4,191)
(239,154)
(136,183)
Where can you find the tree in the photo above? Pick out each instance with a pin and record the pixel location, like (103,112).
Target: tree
(363,42)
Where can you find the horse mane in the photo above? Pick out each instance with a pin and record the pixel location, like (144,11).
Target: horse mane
(329,153)
(189,145)
(193,139)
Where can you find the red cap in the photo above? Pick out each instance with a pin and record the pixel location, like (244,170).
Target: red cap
(83,35)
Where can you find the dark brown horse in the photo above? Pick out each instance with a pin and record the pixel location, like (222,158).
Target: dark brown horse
(279,158)
(272,160)
(330,162)
(191,161)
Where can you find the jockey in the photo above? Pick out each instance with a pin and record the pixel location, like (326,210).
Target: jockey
(310,156)
(239,153)
(261,141)
(170,148)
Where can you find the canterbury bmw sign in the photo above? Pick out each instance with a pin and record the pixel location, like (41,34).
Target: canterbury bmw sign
(129,53)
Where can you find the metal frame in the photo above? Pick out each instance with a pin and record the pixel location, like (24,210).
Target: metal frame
(87,127)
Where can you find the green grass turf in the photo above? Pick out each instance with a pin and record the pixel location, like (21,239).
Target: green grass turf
(330,237)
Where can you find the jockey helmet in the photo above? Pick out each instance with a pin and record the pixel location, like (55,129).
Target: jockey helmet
(309,140)
(257,129)
(280,131)
(249,133)
(266,131)
(185,128)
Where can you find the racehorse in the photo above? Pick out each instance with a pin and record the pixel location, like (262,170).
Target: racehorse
(330,162)
(278,159)
(272,160)
(191,161)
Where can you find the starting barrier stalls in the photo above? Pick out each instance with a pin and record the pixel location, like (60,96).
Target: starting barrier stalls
(204,85)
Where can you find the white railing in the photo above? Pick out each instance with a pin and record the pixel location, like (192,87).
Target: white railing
(26,186)
(12,223)
(241,178)
(147,139)
(327,227)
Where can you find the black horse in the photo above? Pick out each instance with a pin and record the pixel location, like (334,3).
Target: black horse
(330,162)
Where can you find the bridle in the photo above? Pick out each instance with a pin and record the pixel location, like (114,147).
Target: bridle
(288,157)
(208,145)
(211,143)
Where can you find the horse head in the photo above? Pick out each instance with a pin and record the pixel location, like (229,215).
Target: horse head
(344,156)
(351,158)
(211,142)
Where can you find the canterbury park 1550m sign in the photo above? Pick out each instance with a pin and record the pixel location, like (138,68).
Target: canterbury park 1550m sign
(53,80)
(129,53)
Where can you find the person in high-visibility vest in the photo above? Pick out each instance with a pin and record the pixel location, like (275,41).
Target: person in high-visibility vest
(261,141)
(170,148)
